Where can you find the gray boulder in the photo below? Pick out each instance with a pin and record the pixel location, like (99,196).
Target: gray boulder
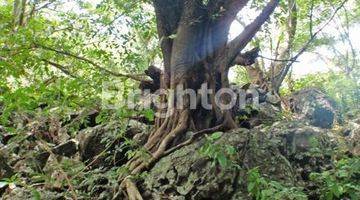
(20,193)
(352,136)
(189,174)
(97,143)
(5,170)
(313,106)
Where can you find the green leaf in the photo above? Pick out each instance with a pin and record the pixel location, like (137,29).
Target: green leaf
(36,194)
(251,187)
(3,184)
(343,173)
(230,150)
(216,135)
(223,161)
(149,114)
(335,189)
(329,196)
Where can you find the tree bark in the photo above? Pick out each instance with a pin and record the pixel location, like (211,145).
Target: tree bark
(197,54)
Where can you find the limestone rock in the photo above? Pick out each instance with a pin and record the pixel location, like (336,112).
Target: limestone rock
(138,131)
(68,148)
(5,170)
(353,137)
(189,174)
(93,141)
(314,106)
(96,143)
(20,193)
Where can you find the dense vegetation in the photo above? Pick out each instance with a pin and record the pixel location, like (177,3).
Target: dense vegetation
(67,66)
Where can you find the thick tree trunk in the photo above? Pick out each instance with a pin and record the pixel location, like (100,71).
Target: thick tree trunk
(199,54)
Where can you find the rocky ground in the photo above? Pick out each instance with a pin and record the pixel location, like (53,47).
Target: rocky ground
(285,148)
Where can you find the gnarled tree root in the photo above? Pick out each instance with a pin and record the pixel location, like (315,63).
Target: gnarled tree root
(130,187)
(138,165)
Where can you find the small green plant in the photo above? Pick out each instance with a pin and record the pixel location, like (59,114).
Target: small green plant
(220,154)
(261,188)
(15,181)
(11,182)
(342,182)
(205,2)
(149,114)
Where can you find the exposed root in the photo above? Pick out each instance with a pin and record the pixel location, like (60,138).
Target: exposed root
(181,127)
(135,163)
(162,141)
(229,122)
(131,189)
(138,165)
(155,135)
(192,138)
(156,146)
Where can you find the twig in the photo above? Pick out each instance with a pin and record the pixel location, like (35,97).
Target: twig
(134,77)
(238,43)
(60,67)
(192,138)
(311,18)
(43,144)
(277,60)
(283,73)
(44,6)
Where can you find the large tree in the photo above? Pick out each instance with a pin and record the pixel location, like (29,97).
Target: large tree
(195,50)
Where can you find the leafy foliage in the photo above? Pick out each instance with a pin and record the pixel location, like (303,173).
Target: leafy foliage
(220,154)
(340,87)
(261,188)
(64,51)
(340,182)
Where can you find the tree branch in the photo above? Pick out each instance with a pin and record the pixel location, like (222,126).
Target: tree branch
(221,10)
(59,67)
(222,13)
(134,77)
(247,58)
(311,18)
(291,28)
(22,14)
(239,43)
(277,60)
(281,76)
(44,5)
